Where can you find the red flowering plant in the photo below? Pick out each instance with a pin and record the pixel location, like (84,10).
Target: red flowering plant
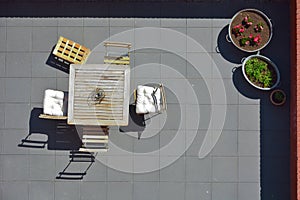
(259,27)
(256,40)
(238,30)
(250,40)
(249,30)
(247,21)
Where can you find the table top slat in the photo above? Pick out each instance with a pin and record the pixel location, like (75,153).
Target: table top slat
(113,80)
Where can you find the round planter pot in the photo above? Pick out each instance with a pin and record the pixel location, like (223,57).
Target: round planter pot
(257,17)
(275,101)
(270,65)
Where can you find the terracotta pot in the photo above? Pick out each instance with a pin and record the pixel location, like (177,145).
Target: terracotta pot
(277,103)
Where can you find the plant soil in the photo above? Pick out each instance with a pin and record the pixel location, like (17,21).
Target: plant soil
(276,100)
(257,18)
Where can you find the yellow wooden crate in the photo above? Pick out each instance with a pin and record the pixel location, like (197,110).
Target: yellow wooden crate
(71,51)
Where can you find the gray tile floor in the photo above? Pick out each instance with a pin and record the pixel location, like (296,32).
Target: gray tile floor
(249,161)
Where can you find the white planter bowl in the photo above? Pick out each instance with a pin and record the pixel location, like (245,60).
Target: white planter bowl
(266,60)
(261,14)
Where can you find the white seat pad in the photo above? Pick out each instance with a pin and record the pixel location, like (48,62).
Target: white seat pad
(145,102)
(53,102)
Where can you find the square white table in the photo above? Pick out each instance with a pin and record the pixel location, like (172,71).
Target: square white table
(114,80)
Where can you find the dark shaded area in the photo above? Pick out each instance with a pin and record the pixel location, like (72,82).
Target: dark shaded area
(275,148)
(274,121)
(244,87)
(65,103)
(61,136)
(274,140)
(58,63)
(136,122)
(75,157)
(128,8)
(227,49)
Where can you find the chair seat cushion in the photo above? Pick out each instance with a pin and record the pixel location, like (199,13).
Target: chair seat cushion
(53,102)
(148,99)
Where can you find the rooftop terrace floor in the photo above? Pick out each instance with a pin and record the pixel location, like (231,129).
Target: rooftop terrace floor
(250,159)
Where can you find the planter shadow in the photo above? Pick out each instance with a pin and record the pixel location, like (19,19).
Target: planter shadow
(244,87)
(227,49)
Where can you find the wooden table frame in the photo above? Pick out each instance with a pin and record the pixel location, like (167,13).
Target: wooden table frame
(83,79)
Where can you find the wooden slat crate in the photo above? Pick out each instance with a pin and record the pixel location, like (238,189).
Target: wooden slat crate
(122,60)
(71,51)
(114,80)
(117,59)
(95,139)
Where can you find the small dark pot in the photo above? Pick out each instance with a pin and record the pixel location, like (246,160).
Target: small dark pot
(275,101)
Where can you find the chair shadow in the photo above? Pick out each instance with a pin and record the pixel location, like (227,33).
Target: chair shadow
(61,137)
(76,157)
(136,122)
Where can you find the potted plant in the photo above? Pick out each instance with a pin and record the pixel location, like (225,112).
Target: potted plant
(260,72)
(250,30)
(278,97)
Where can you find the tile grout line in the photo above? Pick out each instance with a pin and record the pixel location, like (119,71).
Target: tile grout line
(56,74)
(1,171)
(238,156)
(31,71)
(55,155)
(185,131)
(186,49)
(107,168)
(5,71)
(160,76)
(30,107)
(132,175)
(106,179)
(159,142)
(212,50)
(211,172)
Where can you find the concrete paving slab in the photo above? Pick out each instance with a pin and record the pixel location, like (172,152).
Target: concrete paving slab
(41,190)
